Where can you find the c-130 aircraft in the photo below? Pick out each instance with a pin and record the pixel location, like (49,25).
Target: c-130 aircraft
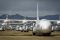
(42,26)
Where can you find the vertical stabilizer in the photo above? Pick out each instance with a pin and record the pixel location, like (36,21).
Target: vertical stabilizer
(37,12)
(6,17)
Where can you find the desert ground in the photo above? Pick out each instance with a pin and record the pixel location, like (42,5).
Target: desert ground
(17,35)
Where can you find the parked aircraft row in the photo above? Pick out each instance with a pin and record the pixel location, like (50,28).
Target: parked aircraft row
(40,27)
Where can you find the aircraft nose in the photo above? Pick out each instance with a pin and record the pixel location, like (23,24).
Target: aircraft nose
(46,29)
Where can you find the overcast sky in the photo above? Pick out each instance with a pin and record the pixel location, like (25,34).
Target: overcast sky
(28,7)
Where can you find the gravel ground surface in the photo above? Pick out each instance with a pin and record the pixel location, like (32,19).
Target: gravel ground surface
(17,35)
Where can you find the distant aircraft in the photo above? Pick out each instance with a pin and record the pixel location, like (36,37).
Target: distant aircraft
(42,26)
(24,27)
(3,25)
(24,21)
(5,21)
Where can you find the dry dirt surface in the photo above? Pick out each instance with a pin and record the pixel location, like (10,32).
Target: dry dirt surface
(17,35)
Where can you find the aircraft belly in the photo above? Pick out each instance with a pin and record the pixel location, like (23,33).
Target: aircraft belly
(40,30)
(43,31)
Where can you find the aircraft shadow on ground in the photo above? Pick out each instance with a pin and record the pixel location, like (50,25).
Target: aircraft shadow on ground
(41,35)
(33,35)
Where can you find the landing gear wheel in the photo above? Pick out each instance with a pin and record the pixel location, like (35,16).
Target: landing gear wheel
(22,31)
(33,33)
(47,34)
(27,31)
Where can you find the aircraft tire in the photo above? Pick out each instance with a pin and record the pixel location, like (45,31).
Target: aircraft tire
(21,31)
(34,33)
(47,34)
(25,31)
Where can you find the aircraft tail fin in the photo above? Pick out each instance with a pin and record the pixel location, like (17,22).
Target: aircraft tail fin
(6,16)
(37,12)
